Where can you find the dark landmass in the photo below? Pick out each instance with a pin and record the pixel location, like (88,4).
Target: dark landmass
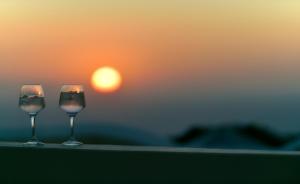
(250,136)
(233,136)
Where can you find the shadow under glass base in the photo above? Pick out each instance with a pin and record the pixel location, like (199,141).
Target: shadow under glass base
(34,143)
(72,143)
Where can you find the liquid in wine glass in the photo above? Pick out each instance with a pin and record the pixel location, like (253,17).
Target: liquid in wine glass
(32,101)
(72,101)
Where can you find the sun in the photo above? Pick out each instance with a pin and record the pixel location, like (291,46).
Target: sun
(106,79)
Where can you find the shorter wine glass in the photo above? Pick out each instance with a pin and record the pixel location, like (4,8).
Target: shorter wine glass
(32,101)
(72,101)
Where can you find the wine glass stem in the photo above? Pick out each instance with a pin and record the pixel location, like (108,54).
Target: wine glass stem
(32,118)
(72,137)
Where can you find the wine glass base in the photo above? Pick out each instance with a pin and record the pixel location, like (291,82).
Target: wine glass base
(34,143)
(72,143)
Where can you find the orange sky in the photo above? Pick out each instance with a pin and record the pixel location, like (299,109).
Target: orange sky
(200,39)
(164,49)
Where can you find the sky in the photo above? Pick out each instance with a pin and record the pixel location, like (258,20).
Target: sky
(183,62)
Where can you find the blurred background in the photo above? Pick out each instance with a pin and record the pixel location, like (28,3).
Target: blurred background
(219,74)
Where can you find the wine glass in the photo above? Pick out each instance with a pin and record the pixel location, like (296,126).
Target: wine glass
(72,101)
(32,102)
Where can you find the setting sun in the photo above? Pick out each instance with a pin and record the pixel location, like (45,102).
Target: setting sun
(106,79)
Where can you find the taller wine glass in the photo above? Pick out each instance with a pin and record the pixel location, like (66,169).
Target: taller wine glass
(72,101)
(32,101)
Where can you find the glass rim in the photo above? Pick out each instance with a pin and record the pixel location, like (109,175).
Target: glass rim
(72,85)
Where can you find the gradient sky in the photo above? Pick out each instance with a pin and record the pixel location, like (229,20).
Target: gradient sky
(183,62)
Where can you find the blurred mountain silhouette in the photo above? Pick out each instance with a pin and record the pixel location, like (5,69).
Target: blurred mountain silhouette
(233,136)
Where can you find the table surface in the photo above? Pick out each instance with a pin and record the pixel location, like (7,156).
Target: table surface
(55,163)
